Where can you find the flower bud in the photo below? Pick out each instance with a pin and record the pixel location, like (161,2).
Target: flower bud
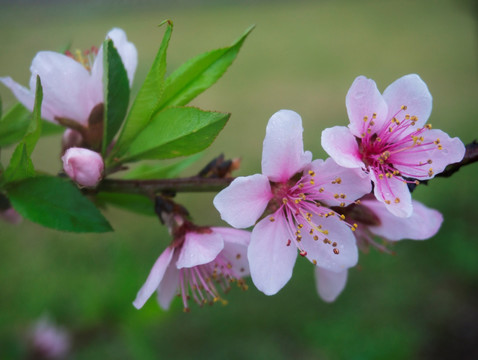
(84,166)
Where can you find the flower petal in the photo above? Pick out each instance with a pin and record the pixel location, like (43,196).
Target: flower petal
(235,249)
(422,224)
(408,161)
(65,86)
(127,51)
(199,249)
(329,283)
(341,186)
(25,96)
(411,91)
(395,192)
(154,278)
(270,259)
(283,150)
(363,100)
(244,200)
(323,253)
(342,146)
(168,286)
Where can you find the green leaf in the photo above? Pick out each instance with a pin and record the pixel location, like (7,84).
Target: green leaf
(1,107)
(148,96)
(198,74)
(56,203)
(49,128)
(133,202)
(116,92)
(14,125)
(159,171)
(20,165)
(176,132)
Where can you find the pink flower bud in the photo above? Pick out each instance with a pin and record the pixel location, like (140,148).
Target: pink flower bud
(83,166)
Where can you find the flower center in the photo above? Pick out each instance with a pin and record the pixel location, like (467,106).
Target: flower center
(85,58)
(202,282)
(382,148)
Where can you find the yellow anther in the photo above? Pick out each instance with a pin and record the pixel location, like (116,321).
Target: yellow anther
(397,200)
(365,118)
(374,115)
(440,147)
(301,185)
(343,196)
(387,202)
(342,217)
(284,201)
(389,175)
(363,134)
(312,182)
(390,129)
(372,123)
(300,226)
(396,172)
(336,196)
(342,204)
(311,173)
(378,139)
(407,117)
(430,172)
(380,176)
(404,107)
(428,126)
(271,219)
(369,131)
(429,161)
(437,141)
(314,262)
(316,237)
(321,190)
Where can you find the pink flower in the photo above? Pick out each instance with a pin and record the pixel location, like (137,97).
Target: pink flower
(387,138)
(83,166)
(49,341)
(374,220)
(197,264)
(72,84)
(296,194)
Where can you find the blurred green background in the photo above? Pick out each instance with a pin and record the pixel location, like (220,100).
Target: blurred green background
(420,304)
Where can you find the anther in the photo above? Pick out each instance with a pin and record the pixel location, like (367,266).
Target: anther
(288,242)
(397,200)
(311,173)
(314,262)
(404,107)
(336,251)
(271,219)
(303,253)
(334,244)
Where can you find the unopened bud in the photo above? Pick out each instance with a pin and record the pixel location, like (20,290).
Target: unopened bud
(83,166)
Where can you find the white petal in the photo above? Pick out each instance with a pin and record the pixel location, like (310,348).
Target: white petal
(244,200)
(342,146)
(270,259)
(154,278)
(283,150)
(330,284)
(199,249)
(168,286)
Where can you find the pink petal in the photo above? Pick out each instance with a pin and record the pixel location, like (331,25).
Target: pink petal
(452,151)
(168,286)
(283,150)
(65,86)
(353,184)
(389,190)
(235,249)
(422,224)
(244,200)
(329,283)
(199,249)
(270,259)
(411,91)
(342,146)
(25,96)
(364,99)
(323,254)
(127,51)
(154,278)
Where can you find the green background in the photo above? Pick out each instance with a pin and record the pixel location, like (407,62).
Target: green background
(419,304)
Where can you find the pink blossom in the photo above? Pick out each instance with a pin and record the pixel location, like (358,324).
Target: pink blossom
(387,137)
(296,194)
(83,166)
(199,263)
(72,84)
(373,219)
(49,341)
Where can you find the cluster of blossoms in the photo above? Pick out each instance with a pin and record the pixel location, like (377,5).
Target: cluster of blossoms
(322,210)
(73,96)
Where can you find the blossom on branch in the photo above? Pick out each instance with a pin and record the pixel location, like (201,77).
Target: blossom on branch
(387,137)
(295,195)
(72,82)
(198,264)
(83,166)
(373,220)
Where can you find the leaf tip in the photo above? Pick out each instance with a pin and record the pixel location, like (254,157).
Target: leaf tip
(167,21)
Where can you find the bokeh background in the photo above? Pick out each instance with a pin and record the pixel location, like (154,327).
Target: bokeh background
(421,303)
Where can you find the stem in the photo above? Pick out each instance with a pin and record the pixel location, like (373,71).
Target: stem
(151,187)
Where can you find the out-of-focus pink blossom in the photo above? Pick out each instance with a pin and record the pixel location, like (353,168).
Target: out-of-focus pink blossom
(199,263)
(83,166)
(49,341)
(295,194)
(373,220)
(387,137)
(11,216)
(72,84)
